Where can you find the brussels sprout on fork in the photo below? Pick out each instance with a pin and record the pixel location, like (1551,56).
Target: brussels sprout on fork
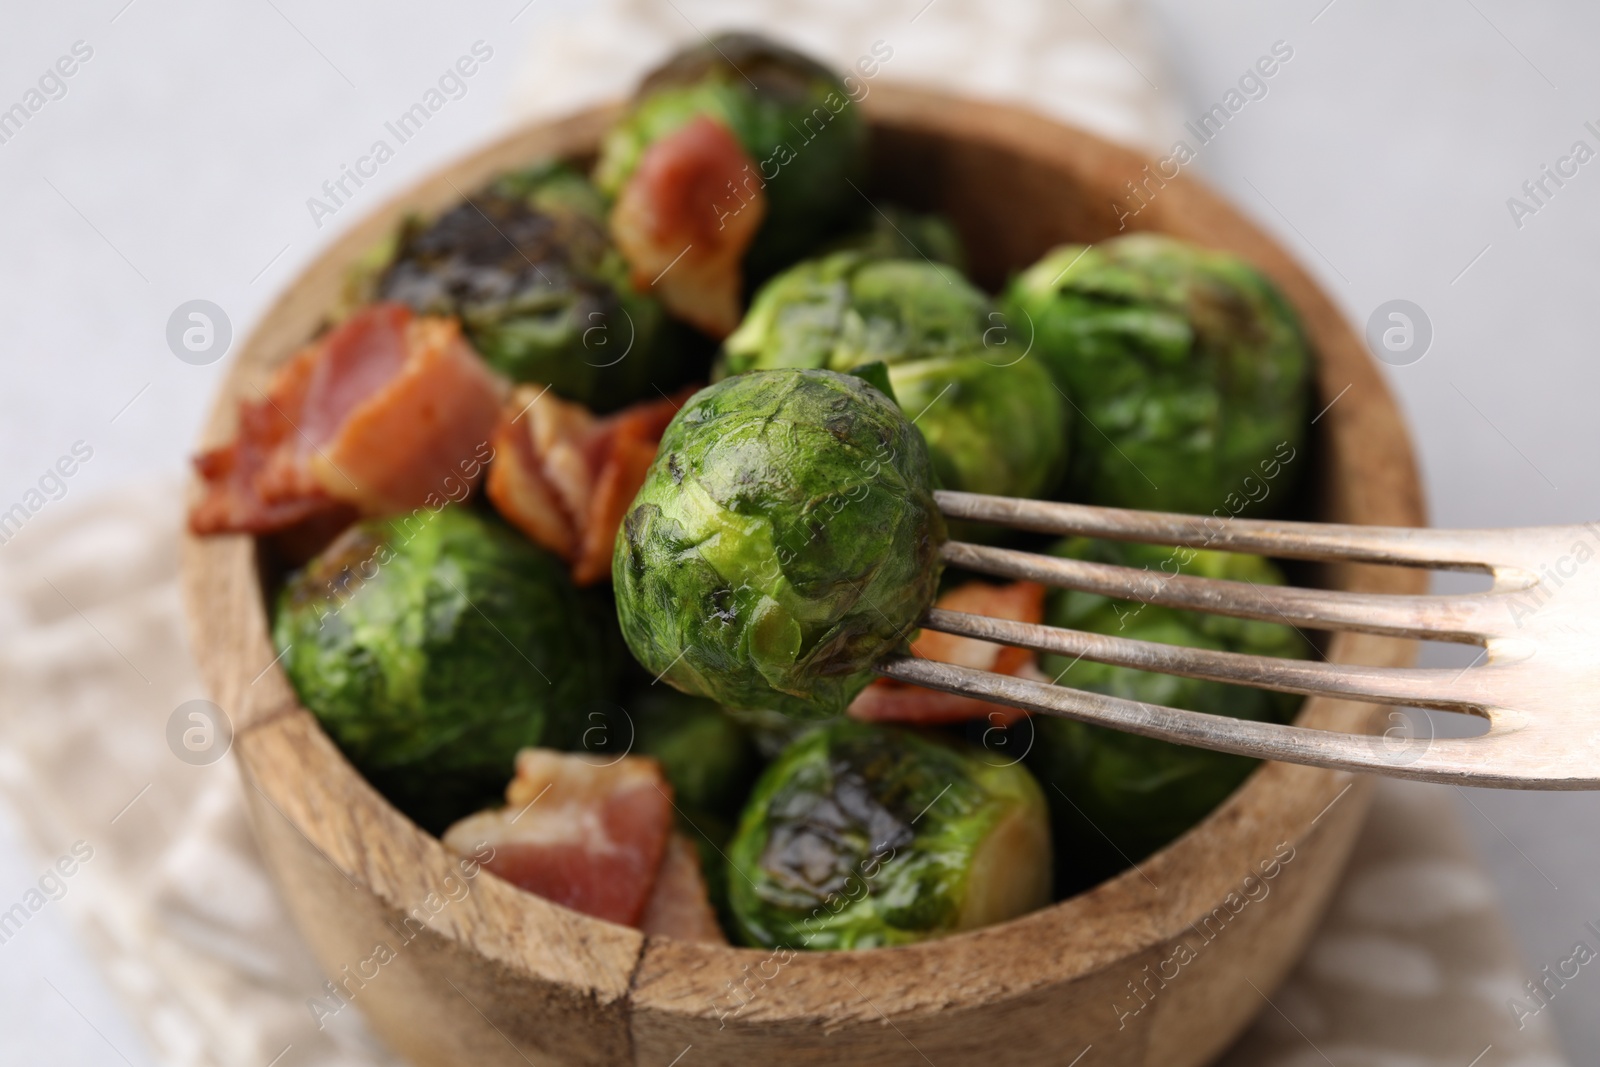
(784,540)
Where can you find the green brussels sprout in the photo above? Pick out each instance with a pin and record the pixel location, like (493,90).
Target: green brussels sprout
(863,835)
(432,648)
(784,540)
(1140,792)
(994,423)
(892,232)
(793,117)
(990,428)
(526,265)
(850,308)
(1189,367)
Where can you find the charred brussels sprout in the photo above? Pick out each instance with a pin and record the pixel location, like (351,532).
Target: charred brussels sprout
(803,134)
(785,539)
(1137,791)
(527,267)
(1189,366)
(994,423)
(433,647)
(862,835)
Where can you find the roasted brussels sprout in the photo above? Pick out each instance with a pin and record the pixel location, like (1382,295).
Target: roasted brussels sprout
(863,835)
(432,647)
(990,428)
(850,308)
(892,232)
(1139,792)
(994,423)
(801,140)
(785,539)
(1188,365)
(527,267)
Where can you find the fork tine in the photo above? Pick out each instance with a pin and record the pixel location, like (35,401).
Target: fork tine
(1524,756)
(1470,690)
(1442,618)
(1441,549)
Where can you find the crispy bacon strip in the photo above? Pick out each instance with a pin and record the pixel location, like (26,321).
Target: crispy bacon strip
(565,477)
(887,700)
(252,484)
(686,218)
(385,413)
(579,831)
(679,905)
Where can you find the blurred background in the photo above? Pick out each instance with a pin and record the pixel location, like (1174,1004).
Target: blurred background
(176,161)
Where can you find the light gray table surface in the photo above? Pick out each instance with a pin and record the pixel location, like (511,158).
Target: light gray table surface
(178,162)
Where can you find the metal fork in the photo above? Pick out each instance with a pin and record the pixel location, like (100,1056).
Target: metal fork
(1537,680)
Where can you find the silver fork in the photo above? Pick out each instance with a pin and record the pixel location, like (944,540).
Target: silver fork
(1537,680)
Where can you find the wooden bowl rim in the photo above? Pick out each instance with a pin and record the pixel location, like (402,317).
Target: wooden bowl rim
(368,837)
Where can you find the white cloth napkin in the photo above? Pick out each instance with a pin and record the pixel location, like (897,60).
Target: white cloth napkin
(174,903)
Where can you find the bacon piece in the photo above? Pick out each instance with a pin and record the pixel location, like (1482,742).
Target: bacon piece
(251,484)
(887,700)
(579,831)
(685,219)
(385,413)
(565,477)
(679,905)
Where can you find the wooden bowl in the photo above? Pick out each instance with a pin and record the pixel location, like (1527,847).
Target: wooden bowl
(502,977)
